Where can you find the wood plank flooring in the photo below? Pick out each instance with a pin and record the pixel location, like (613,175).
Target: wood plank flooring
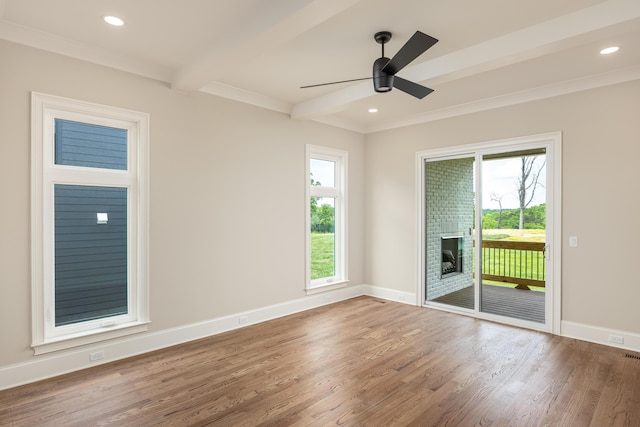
(501,300)
(361,362)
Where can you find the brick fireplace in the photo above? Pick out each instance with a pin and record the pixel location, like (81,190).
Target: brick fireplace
(449,223)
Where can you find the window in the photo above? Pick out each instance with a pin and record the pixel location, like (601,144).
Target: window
(89,210)
(326,218)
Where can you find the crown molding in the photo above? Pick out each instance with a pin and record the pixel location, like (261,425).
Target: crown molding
(521,97)
(49,42)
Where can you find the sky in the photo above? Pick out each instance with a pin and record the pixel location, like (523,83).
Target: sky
(323,171)
(500,176)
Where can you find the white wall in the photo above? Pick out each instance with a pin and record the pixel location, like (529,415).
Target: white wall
(601,199)
(227,195)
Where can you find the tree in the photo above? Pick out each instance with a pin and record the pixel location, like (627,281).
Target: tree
(534,218)
(527,184)
(314,200)
(322,217)
(326,219)
(494,197)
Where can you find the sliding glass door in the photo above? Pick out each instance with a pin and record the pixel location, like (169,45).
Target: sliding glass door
(513,238)
(487,225)
(450,211)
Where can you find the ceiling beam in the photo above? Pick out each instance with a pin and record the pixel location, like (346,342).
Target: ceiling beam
(271,24)
(247,97)
(544,38)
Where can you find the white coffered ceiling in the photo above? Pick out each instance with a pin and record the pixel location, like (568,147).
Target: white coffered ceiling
(491,52)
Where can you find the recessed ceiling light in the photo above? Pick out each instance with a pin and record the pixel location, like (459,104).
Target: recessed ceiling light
(609,50)
(373,110)
(114,20)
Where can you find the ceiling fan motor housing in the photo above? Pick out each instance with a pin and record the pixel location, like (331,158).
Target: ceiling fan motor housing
(385,69)
(382,82)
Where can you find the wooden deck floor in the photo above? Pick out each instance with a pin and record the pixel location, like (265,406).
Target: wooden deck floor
(501,300)
(361,362)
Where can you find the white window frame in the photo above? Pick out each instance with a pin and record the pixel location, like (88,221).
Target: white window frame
(46,337)
(339,193)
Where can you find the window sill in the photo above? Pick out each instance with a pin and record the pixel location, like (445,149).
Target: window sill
(328,287)
(89,337)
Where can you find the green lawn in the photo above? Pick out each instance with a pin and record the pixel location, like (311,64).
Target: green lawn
(322,255)
(526,264)
(512,263)
(511,234)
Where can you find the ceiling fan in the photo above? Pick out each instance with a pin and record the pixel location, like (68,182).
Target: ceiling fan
(385,69)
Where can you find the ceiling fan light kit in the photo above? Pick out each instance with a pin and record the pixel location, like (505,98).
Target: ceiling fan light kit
(385,69)
(382,82)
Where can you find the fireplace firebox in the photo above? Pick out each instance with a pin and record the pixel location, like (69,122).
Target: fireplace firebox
(451,255)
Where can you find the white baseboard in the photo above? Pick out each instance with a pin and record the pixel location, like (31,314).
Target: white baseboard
(48,366)
(594,334)
(390,294)
(600,335)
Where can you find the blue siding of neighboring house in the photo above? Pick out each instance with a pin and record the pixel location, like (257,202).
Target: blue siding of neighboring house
(88,145)
(90,258)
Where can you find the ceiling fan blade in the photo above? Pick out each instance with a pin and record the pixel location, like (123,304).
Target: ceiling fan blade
(414,47)
(413,89)
(333,83)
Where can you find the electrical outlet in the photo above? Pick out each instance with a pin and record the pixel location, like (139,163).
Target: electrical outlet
(98,355)
(243,320)
(616,339)
(573,241)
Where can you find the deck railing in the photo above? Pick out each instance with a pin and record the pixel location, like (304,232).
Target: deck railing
(521,263)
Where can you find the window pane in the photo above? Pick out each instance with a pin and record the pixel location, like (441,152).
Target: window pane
(88,145)
(323,172)
(322,237)
(90,252)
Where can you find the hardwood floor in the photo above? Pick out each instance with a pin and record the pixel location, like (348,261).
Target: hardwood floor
(359,362)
